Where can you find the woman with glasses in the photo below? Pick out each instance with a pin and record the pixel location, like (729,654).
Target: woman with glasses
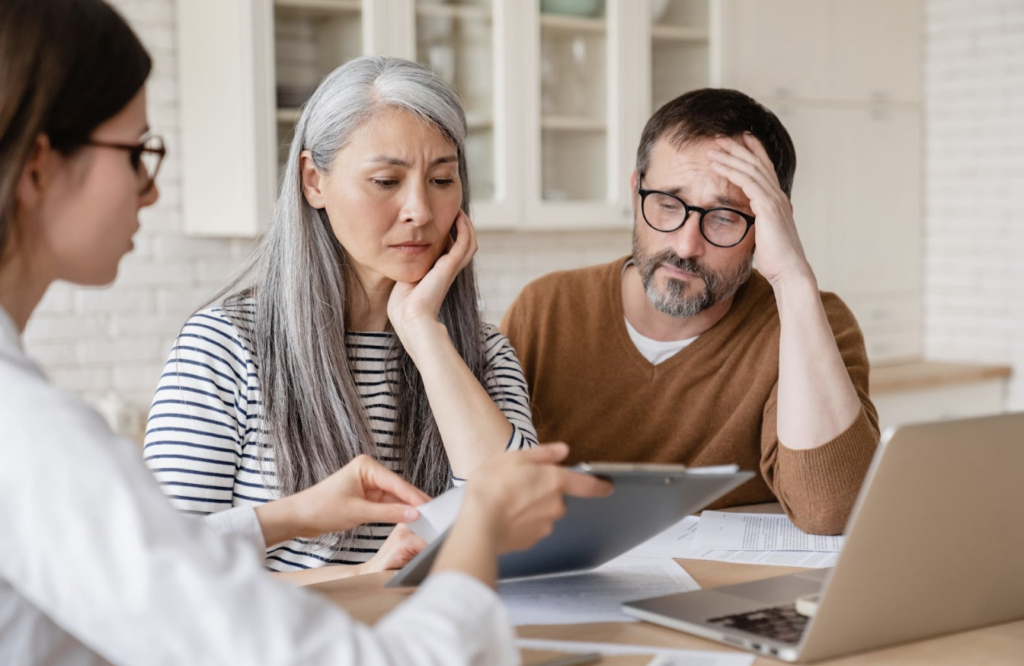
(98,567)
(353,330)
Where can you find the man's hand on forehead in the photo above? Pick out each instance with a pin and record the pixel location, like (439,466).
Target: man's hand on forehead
(745,163)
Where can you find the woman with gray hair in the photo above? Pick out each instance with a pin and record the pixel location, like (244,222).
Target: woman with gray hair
(353,329)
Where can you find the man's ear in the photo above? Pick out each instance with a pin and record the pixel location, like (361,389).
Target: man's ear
(633,182)
(36,176)
(312,181)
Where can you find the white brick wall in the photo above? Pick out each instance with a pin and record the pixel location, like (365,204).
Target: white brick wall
(103,342)
(974,199)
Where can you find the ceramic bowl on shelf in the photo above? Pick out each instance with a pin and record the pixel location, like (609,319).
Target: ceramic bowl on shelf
(572,7)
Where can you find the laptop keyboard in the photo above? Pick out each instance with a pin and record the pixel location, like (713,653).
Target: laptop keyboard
(781,623)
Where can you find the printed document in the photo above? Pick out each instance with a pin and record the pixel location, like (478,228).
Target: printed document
(678,541)
(719,530)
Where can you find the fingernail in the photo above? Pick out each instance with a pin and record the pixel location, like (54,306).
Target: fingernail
(411,515)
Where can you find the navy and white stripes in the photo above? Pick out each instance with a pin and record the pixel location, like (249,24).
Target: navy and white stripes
(205,439)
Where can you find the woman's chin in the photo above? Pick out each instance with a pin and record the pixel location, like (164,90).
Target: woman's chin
(412,270)
(408,274)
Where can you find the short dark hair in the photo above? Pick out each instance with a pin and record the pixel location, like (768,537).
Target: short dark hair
(68,66)
(712,112)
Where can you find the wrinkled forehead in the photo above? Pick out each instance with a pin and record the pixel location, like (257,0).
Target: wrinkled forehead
(684,169)
(398,135)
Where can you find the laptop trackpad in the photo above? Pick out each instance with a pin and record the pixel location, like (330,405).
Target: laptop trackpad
(774,591)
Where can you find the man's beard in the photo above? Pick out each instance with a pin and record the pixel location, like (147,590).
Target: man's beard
(672,300)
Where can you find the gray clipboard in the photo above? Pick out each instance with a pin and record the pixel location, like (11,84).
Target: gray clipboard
(647,500)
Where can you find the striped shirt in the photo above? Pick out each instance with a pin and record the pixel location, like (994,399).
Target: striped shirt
(207,444)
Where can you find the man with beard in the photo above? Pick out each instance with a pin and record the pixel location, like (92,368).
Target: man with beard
(681,353)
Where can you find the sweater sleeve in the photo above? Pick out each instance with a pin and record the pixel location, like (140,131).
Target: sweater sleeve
(198,419)
(818,487)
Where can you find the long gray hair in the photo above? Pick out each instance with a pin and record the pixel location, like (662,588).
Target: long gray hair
(301,281)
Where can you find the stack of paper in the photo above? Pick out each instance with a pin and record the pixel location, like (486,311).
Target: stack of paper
(753,538)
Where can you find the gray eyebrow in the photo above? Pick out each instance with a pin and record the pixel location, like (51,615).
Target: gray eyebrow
(394,161)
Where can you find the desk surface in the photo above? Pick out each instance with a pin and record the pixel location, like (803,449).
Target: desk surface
(365,598)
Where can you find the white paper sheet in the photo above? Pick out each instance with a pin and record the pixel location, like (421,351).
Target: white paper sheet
(662,656)
(758,531)
(782,558)
(594,596)
(437,515)
(678,541)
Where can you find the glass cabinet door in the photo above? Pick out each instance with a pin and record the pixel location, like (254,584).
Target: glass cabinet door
(573,100)
(582,61)
(311,39)
(455,39)
(679,48)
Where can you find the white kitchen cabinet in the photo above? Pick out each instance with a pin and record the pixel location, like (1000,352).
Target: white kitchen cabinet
(844,77)
(226,62)
(555,103)
(775,49)
(556,130)
(875,201)
(836,50)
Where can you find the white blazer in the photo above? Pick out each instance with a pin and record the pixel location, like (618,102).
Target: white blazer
(97,566)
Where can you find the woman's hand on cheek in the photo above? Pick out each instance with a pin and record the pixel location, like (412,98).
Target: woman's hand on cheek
(414,306)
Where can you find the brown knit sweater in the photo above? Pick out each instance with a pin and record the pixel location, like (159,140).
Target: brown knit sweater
(712,403)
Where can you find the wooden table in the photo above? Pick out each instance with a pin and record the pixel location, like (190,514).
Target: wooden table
(365,599)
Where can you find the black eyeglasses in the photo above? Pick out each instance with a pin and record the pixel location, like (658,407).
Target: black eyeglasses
(722,227)
(145,156)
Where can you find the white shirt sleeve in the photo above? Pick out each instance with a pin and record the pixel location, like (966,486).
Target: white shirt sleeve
(92,544)
(241,523)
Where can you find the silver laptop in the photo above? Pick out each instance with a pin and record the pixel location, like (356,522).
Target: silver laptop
(935,545)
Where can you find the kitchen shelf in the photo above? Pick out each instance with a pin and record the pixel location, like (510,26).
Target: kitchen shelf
(573,123)
(472,12)
(678,33)
(328,5)
(288,115)
(572,23)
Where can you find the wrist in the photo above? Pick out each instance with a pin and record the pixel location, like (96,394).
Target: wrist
(797,285)
(294,516)
(471,548)
(420,337)
(476,517)
(275,522)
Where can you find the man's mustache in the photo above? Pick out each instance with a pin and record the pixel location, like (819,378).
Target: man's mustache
(687,265)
